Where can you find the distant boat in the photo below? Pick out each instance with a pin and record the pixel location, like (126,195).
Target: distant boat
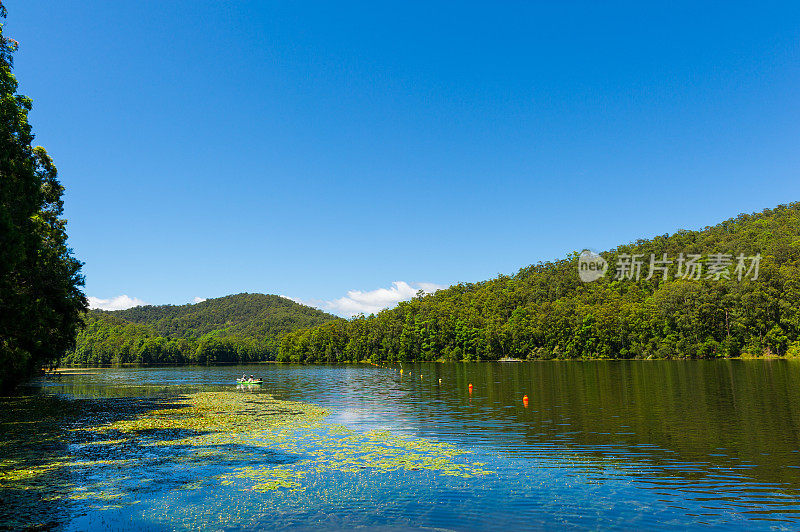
(509,359)
(250,381)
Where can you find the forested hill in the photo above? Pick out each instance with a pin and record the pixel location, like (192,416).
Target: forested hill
(715,308)
(235,328)
(241,315)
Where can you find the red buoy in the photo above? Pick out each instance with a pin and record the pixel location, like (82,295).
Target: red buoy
(525,401)
(470,387)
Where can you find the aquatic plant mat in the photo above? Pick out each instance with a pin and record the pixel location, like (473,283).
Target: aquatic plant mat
(184,456)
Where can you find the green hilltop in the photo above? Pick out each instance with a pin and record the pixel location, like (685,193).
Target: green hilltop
(241,315)
(235,328)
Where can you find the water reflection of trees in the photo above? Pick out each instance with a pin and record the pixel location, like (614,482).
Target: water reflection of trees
(728,421)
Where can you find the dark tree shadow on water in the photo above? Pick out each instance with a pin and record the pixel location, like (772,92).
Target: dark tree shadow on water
(56,466)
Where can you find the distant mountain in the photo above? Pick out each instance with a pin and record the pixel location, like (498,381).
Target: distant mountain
(235,328)
(241,315)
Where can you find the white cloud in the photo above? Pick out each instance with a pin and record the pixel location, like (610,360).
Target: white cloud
(372,301)
(199,299)
(115,303)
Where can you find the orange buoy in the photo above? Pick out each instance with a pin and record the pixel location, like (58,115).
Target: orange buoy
(525,401)
(470,387)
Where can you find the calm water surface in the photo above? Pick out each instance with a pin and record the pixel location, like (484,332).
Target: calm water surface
(600,445)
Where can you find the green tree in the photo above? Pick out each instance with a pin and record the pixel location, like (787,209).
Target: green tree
(41,303)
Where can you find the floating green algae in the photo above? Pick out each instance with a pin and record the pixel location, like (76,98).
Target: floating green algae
(220,412)
(224,419)
(109,453)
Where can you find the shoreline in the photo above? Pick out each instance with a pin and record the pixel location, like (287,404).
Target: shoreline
(86,369)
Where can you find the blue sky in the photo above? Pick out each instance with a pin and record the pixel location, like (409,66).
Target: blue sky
(319,149)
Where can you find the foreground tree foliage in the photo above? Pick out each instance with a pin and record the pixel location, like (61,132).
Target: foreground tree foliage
(40,299)
(542,312)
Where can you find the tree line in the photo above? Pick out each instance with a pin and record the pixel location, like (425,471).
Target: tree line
(544,311)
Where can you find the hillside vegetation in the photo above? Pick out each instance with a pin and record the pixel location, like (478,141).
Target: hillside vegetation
(236,328)
(545,311)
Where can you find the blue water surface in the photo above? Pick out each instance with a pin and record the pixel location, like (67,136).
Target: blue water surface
(599,445)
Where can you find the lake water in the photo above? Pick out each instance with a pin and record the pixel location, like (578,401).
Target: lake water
(600,445)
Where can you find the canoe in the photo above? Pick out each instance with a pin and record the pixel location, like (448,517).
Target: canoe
(240,381)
